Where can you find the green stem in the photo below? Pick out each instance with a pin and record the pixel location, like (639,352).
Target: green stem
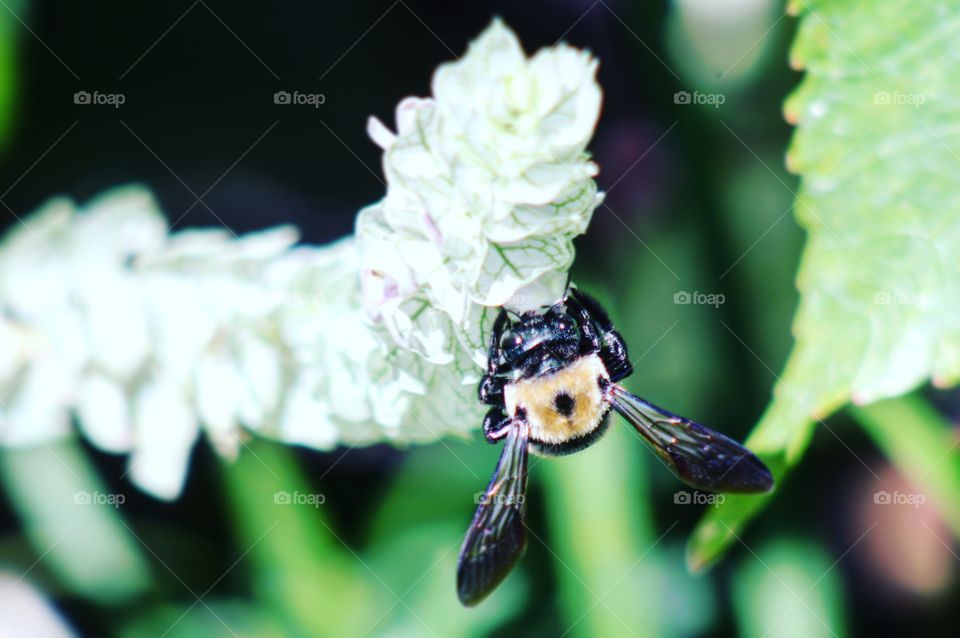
(301,569)
(73,522)
(602,535)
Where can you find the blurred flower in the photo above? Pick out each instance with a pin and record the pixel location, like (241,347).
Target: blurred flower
(151,340)
(911,548)
(723,43)
(147,337)
(25,612)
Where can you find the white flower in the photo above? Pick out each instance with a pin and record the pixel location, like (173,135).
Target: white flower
(151,340)
(488,183)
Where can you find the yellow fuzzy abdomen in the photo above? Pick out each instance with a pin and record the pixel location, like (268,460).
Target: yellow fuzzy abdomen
(563,405)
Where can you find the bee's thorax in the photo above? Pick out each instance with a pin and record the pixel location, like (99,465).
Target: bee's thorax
(564,405)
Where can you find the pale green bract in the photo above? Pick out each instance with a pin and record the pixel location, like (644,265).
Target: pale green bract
(151,339)
(488,183)
(877,148)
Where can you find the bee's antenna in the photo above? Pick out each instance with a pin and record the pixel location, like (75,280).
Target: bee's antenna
(568,288)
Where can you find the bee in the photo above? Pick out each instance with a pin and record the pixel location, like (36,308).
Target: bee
(552,379)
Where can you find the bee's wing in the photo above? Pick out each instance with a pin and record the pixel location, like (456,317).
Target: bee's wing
(497,536)
(700,457)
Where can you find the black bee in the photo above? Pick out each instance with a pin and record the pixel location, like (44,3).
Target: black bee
(552,378)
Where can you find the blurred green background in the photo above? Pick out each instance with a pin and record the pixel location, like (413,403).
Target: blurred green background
(698,201)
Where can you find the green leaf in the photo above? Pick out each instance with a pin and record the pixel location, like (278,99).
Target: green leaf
(878,150)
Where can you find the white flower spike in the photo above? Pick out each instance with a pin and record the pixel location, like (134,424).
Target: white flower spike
(488,182)
(150,339)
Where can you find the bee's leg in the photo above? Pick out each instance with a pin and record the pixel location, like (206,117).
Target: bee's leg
(491,390)
(496,425)
(588,327)
(594,310)
(613,353)
(491,386)
(493,352)
(599,330)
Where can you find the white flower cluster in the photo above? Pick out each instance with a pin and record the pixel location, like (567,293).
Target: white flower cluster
(149,339)
(488,183)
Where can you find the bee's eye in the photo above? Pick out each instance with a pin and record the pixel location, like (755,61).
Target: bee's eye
(510,339)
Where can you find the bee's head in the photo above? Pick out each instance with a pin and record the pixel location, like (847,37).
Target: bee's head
(550,338)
